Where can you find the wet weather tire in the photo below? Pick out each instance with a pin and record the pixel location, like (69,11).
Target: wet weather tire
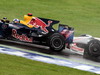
(56,42)
(92,49)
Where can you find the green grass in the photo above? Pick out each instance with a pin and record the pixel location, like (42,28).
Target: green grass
(12,65)
(83,15)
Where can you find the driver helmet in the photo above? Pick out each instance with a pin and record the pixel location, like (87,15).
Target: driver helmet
(16,21)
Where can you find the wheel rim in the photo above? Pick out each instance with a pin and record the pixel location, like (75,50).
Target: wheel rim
(57,43)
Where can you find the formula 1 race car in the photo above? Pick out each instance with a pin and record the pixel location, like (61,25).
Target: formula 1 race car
(87,46)
(43,33)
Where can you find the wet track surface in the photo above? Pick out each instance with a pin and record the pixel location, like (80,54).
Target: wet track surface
(66,54)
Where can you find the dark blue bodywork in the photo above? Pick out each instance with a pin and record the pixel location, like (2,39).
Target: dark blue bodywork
(20,32)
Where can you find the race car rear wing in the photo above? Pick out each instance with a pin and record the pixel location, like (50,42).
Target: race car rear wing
(62,27)
(67,32)
(46,21)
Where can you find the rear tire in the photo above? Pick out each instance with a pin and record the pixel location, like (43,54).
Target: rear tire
(56,42)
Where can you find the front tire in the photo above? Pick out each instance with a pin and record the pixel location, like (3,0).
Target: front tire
(92,50)
(56,42)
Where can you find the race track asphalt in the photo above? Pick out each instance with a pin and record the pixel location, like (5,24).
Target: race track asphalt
(65,54)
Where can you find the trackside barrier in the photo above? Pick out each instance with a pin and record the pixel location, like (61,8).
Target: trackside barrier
(51,60)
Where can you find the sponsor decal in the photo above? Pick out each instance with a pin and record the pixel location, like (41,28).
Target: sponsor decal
(22,37)
(39,23)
